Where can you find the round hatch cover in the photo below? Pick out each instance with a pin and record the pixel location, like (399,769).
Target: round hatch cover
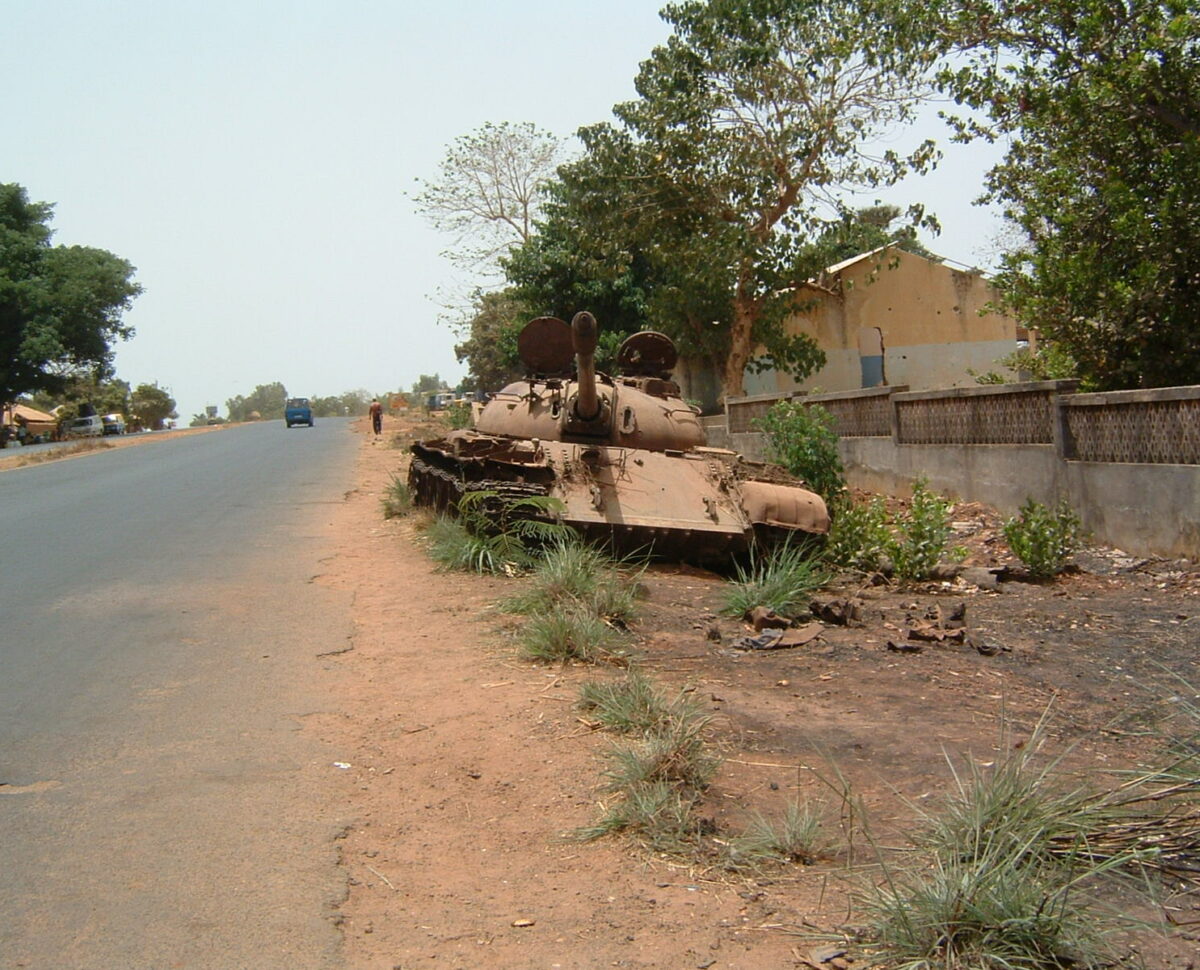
(545,346)
(647,354)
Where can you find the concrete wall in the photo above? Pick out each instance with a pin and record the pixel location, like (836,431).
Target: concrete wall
(1145,508)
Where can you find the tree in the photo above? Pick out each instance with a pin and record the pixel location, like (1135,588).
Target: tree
(152,405)
(751,119)
(61,307)
(489,189)
(266,400)
(427,383)
(490,347)
(1100,104)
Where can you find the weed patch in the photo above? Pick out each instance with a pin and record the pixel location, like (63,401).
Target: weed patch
(397,498)
(571,571)
(798,836)
(633,705)
(922,533)
(783,580)
(859,537)
(1044,539)
(495,534)
(1014,860)
(567,634)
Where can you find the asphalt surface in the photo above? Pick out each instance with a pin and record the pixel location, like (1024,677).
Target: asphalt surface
(160,642)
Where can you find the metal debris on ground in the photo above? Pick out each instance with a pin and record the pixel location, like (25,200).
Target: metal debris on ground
(838,612)
(780,639)
(765,618)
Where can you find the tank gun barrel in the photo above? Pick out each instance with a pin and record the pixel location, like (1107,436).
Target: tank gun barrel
(583,338)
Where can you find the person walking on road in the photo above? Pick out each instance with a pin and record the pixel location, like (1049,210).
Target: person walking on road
(376,412)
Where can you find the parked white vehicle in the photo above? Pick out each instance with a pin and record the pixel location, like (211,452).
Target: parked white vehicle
(114,423)
(90,427)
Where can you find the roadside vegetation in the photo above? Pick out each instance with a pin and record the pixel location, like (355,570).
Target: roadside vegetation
(1044,539)
(1011,868)
(397,498)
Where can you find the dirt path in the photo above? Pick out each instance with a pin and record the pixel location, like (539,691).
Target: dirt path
(467,767)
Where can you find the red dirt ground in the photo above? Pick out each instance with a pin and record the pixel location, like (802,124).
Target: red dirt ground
(467,768)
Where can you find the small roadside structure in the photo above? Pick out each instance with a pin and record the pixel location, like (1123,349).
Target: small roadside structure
(890,317)
(19,422)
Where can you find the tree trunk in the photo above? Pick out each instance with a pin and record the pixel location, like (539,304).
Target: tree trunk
(746,308)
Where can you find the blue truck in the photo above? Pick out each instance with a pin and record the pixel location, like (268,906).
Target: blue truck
(298,411)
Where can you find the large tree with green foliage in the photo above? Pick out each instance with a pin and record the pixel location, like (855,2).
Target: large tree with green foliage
(266,400)
(752,119)
(1099,101)
(61,307)
(490,343)
(152,405)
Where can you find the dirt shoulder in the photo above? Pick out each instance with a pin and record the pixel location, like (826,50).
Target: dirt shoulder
(466,768)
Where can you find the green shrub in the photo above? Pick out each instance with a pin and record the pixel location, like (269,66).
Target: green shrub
(802,439)
(458,415)
(921,533)
(1044,539)
(783,581)
(859,537)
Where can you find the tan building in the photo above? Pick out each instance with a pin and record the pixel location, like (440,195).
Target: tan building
(892,317)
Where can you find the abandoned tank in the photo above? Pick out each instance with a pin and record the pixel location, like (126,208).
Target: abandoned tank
(626,456)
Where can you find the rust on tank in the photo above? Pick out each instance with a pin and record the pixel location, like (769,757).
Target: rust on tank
(626,456)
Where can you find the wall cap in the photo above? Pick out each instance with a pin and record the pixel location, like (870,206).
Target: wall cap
(992,390)
(1148,395)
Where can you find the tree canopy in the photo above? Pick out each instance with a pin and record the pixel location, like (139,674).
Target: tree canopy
(1100,105)
(152,405)
(61,307)
(719,186)
(488,190)
(267,400)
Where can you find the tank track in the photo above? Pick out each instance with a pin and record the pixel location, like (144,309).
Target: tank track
(441,488)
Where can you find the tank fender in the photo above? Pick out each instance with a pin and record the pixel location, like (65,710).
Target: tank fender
(786,506)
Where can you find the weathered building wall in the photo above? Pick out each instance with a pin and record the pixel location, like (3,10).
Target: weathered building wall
(895,318)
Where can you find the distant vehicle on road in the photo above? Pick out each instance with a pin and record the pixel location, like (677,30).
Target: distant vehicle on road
(91,426)
(113,423)
(298,411)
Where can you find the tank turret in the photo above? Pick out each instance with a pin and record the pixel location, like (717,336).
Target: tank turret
(625,454)
(564,397)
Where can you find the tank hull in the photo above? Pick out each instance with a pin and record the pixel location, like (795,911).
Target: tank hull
(700,505)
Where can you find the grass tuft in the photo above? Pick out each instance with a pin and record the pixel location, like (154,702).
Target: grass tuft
(797,837)
(571,571)
(397,498)
(566,634)
(633,705)
(658,815)
(675,752)
(783,580)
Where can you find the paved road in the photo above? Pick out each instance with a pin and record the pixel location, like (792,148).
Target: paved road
(159,639)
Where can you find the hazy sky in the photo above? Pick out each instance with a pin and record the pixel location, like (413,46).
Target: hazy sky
(254,159)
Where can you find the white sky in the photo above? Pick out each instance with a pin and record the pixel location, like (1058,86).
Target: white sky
(253,159)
